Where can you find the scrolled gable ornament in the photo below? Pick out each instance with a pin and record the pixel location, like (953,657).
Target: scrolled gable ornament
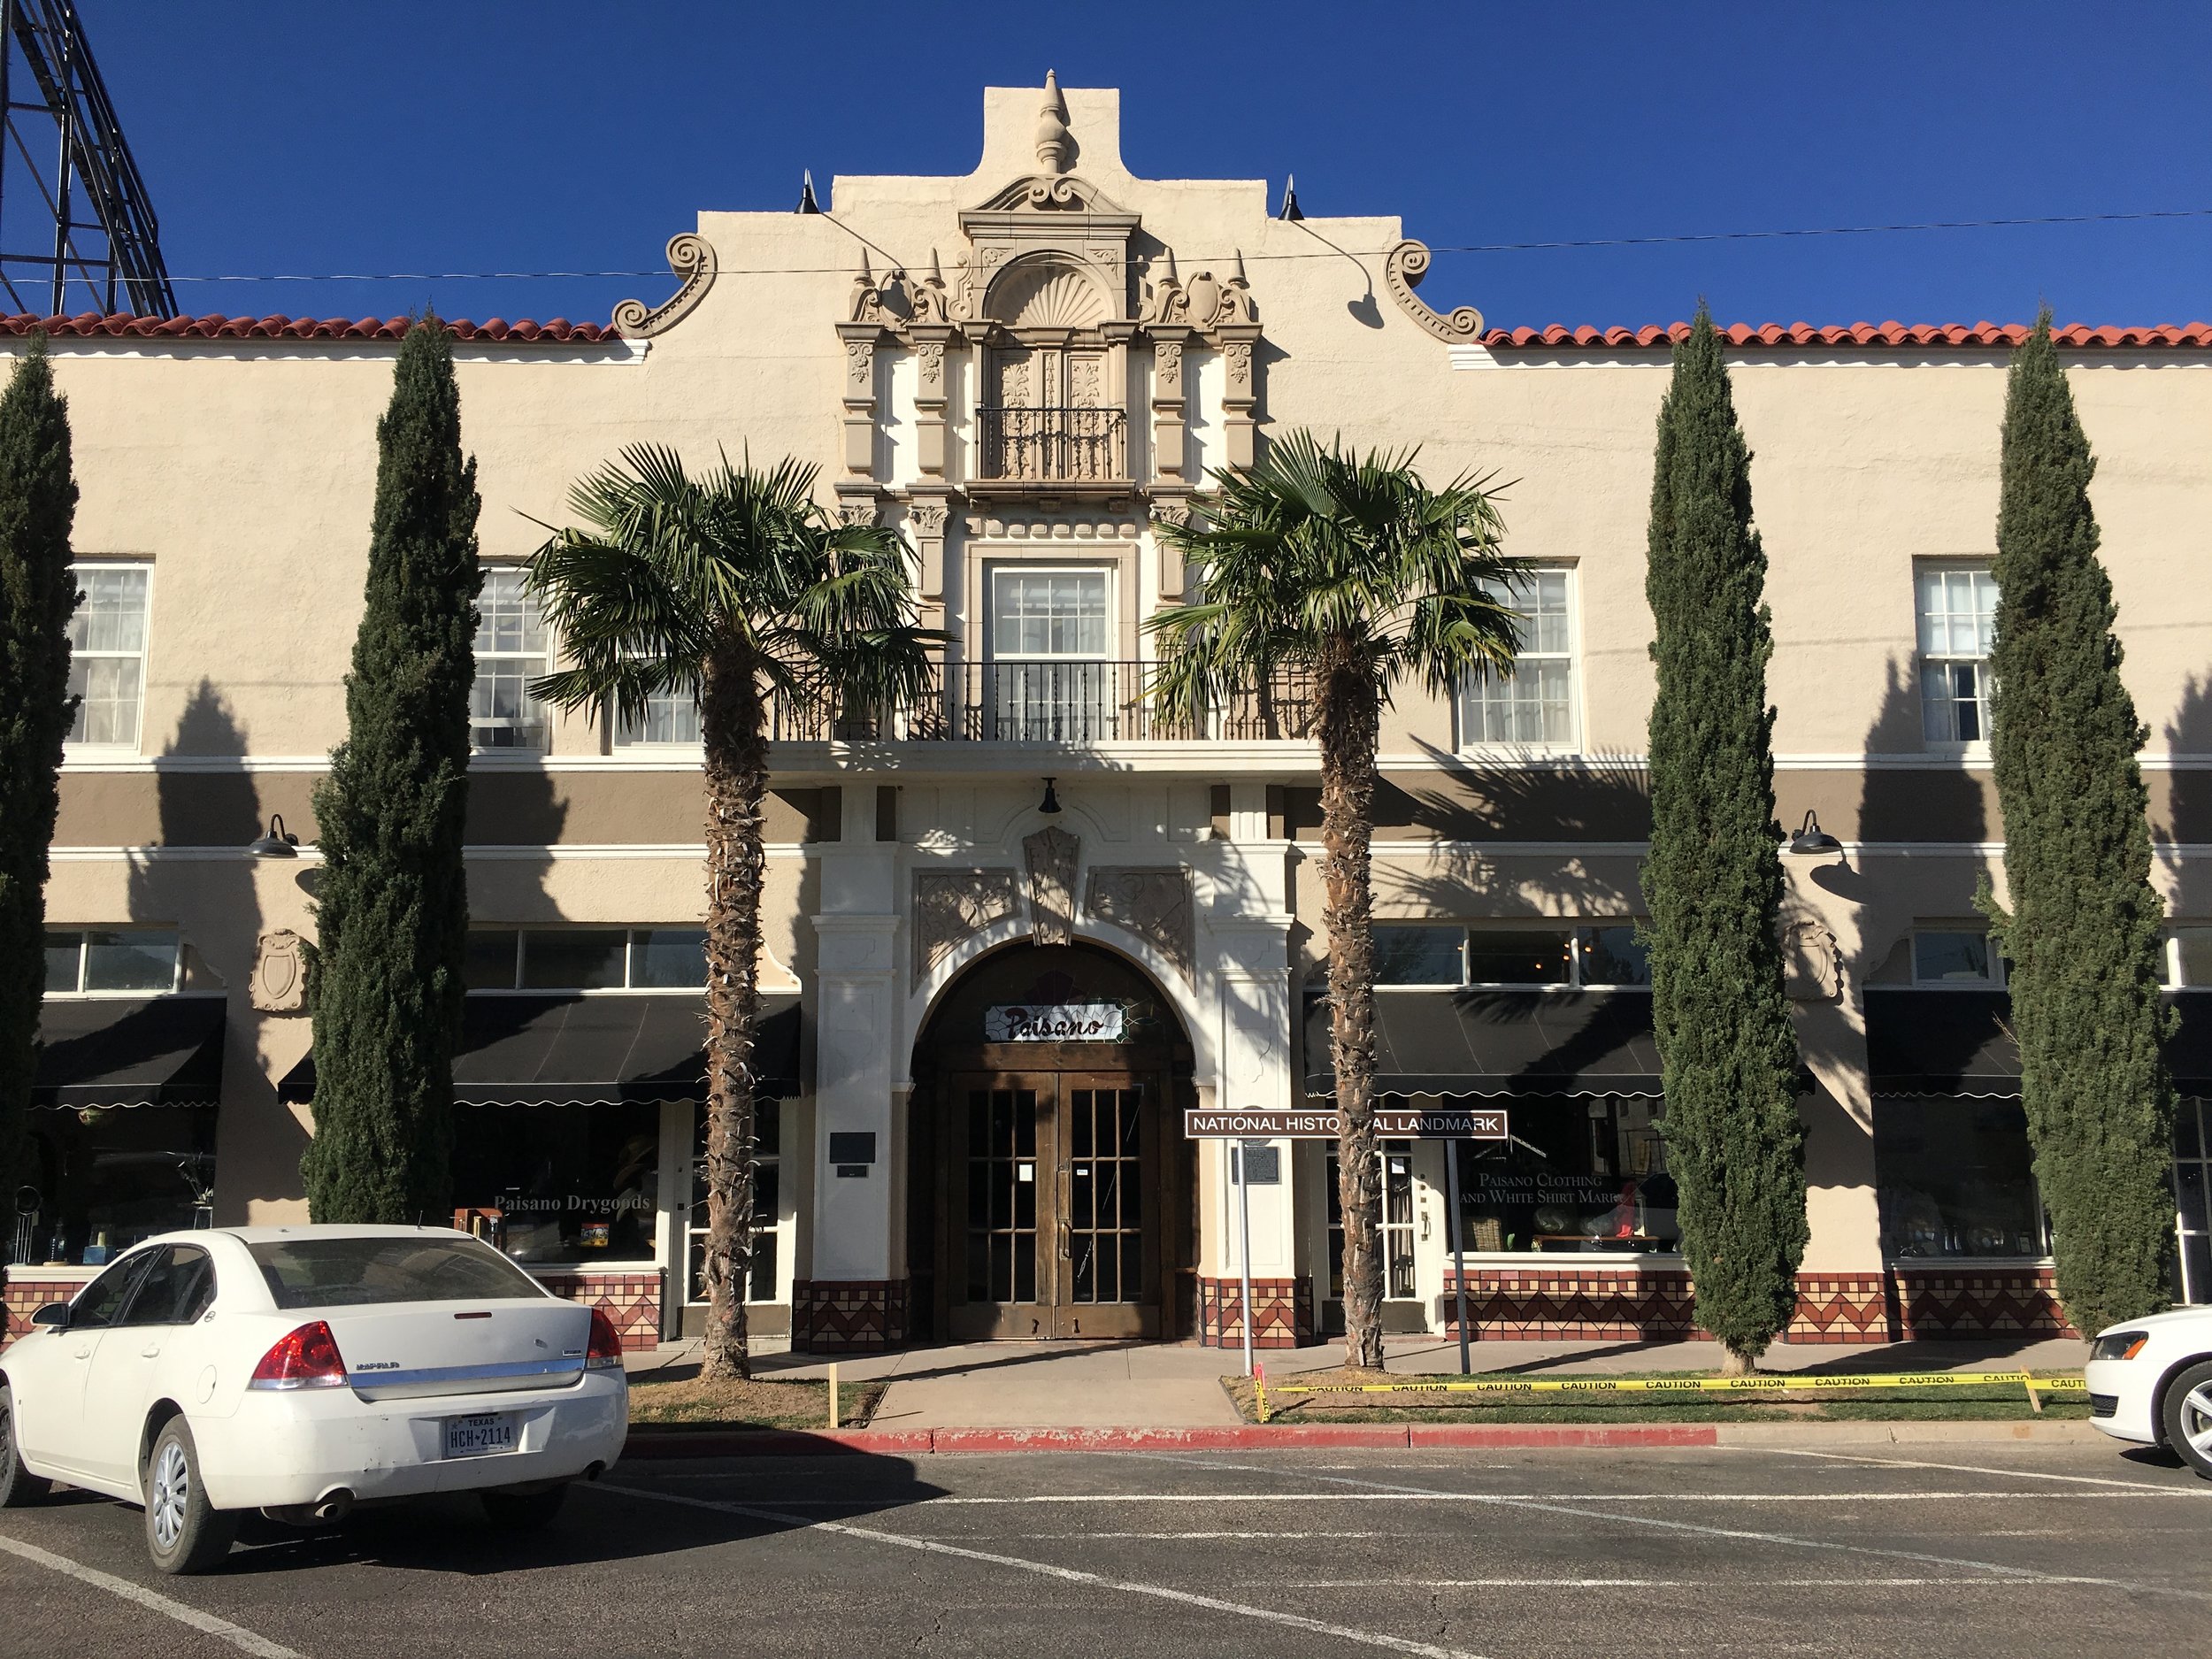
(691,256)
(1403,268)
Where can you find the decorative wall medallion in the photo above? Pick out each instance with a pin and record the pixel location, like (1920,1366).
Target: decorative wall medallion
(690,257)
(1050,854)
(1813,963)
(1403,268)
(1154,903)
(280,973)
(951,905)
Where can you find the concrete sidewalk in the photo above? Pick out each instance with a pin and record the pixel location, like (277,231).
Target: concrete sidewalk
(1173,1386)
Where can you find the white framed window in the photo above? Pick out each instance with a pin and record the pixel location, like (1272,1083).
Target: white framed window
(671,720)
(587,959)
(1534,705)
(510,652)
(1956,605)
(1598,955)
(123,962)
(107,654)
(2189,958)
(1962,958)
(1050,633)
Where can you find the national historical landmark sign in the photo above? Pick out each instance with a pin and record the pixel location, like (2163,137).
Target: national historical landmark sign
(1485,1123)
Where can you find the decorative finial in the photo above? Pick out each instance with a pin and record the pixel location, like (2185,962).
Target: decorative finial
(1168,254)
(865,274)
(807,204)
(1290,200)
(936,269)
(1240,277)
(1055,145)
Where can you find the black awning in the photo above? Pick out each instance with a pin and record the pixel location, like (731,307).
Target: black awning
(572,1050)
(1930,1042)
(133,1051)
(1501,1043)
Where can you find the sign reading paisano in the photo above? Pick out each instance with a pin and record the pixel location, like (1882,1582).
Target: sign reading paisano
(1439,1123)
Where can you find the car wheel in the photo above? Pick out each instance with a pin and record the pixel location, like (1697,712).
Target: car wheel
(17,1485)
(184,1532)
(523,1511)
(2185,1415)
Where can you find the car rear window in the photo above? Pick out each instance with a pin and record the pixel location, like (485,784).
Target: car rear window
(342,1273)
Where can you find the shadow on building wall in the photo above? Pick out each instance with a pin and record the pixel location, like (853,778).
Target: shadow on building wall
(2186,819)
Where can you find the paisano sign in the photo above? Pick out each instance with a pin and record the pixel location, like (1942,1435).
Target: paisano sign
(1482,1122)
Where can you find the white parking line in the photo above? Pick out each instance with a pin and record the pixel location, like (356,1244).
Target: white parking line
(2199,1490)
(1377,1489)
(237,1635)
(1212,1604)
(1413,1495)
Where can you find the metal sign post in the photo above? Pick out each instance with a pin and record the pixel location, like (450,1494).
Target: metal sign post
(1237,1164)
(1458,1223)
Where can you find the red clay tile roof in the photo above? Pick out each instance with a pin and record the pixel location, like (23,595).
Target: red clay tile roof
(2198,334)
(87,325)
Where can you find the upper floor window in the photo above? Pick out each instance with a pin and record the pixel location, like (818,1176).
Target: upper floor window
(510,652)
(135,961)
(1957,605)
(107,654)
(1961,957)
(2189,956)
(1595,954)
(1535,702)
(670,718)
(587,958)
(1050,678)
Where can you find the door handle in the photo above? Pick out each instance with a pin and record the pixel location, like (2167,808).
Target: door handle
(1066,1248)
(85,1352)
(153,1350)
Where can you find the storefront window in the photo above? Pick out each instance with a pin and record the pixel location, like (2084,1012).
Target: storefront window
(1579,1174)
(1396,1158)
(98,1181)
(767,1201)
(2193,1201)
(1956,1179)
(567,1184)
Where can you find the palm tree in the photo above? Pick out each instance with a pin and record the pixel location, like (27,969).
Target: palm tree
(1351,568)
(733,588)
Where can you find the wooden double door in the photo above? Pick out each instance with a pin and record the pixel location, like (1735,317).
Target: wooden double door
(1051,1224)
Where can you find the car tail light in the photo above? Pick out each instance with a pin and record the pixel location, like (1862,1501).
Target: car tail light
(307,1358)
(605,1350)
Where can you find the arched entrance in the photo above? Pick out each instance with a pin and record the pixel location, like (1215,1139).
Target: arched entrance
(1048,1194)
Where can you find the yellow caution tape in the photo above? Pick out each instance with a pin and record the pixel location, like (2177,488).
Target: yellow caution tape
(1765,1383)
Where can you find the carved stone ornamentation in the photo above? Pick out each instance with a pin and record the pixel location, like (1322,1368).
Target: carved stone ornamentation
(858,515)
(860,364)
(1154,905)
(1056,145)
(690,257)
(1236,357)
(929,360)
(1050,854)
(280,973)
(1403,268)
(927,518)
(1167,368)
(1205,303)
(951,905)
(866,301)
(1813,963)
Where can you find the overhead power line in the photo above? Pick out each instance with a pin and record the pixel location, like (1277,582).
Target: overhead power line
(1677,239)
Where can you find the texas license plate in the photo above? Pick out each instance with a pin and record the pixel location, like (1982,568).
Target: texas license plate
(485,1436)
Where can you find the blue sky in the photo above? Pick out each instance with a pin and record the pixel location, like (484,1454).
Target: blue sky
(475,135)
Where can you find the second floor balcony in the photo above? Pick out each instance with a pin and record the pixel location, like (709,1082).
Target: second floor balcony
(1070,703)
(1050,452)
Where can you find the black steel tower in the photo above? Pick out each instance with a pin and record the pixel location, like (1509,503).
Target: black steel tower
(75,226)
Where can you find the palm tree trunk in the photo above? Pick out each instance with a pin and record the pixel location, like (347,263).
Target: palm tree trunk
(731,715)
(1350,713)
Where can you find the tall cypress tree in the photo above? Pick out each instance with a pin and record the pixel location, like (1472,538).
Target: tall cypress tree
(38,504)
(1728,1053)
(2082,933)
(386,979)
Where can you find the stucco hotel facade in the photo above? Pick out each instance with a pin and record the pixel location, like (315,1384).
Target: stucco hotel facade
(986,1018)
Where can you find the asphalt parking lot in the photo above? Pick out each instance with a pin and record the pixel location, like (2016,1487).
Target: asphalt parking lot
(2015,1552)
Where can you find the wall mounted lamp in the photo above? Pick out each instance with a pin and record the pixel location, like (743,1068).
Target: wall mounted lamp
(1051,803)
(1291,210)
(1812,841)
(274,842)
(807,204)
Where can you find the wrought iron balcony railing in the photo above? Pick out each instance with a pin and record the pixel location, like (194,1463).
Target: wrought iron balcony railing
(1052,446)
(1073,703)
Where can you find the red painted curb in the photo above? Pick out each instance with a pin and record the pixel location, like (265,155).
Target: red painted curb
(1249,1437)
(1476,1435)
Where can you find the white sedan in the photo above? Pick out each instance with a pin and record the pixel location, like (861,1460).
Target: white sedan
(2150,1380)
(300,1369)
